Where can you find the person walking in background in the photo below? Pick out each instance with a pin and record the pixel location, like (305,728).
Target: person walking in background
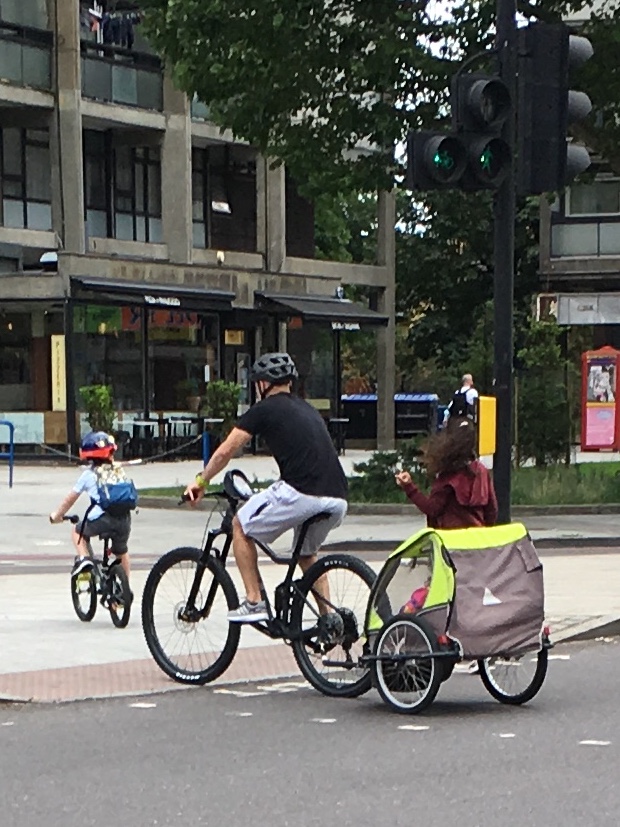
(464,400)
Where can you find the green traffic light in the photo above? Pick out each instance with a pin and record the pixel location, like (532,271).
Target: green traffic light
(486,160)
(444,160)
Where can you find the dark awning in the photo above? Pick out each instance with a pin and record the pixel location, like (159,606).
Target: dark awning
(150,295)
(342,313)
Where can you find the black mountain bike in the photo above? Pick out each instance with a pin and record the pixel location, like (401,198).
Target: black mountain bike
(103,578)
(189,592)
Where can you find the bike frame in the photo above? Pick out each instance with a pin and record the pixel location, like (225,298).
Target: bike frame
(278,626)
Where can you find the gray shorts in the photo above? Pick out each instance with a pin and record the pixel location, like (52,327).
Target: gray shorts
(116,528)
(279,508)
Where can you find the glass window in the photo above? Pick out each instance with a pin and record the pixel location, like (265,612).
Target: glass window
(31,13)
(38,183)
(15,361)
(26,179)
(595,198)
(12,159)
(181,343)
(107,350)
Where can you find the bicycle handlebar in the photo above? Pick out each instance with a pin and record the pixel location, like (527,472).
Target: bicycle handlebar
(185,498)
(71,518)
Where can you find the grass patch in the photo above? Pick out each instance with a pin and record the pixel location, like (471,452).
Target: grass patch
(585,484)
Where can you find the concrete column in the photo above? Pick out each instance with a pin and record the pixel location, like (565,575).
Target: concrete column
(275,213)
(66,130)
(282,337)
(386,337)
(176,177)
(261,207)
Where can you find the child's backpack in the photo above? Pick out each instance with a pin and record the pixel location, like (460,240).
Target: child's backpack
(117,493)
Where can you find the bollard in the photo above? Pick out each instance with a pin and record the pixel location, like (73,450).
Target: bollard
(10,455)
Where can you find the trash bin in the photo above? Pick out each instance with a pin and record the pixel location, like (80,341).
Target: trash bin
(415,414)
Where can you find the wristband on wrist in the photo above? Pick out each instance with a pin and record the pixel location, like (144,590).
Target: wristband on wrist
(201,482)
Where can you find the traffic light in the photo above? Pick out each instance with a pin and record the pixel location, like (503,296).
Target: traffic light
(480,106)
(546,161)
(435,160)
(473,156)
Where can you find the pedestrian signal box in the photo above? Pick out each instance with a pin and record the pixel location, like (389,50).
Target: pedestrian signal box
(485,419)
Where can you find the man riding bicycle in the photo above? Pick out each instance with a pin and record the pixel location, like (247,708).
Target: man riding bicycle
(311,478)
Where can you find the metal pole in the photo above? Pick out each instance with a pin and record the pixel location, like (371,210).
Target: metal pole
(504,214)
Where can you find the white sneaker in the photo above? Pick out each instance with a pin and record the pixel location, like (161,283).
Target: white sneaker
(249,612)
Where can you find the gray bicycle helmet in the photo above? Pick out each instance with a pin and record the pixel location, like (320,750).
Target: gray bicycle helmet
(277,368)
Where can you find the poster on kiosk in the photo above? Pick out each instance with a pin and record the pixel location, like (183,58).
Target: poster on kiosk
(600,413)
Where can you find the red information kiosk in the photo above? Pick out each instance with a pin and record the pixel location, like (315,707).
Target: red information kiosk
(600,413)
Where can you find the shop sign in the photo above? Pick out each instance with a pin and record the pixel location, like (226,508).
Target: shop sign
(345,326)
(59,375)
(234,337)
(168,301)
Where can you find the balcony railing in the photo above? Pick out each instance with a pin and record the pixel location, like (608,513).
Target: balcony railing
(25,56)
(570,239)
(117,75)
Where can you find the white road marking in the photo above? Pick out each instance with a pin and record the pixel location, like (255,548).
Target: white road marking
(142,705)
(507,735)
(558,657)
(8,723)
(414,727)
(237,693)
(323,720)
(49,543)
(240,714)
(595,743)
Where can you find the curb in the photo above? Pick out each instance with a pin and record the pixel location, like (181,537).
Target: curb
(591,629)
(404,509)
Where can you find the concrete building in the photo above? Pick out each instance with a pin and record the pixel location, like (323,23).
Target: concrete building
(142,247)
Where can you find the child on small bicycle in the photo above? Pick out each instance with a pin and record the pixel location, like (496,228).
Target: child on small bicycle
(115,520)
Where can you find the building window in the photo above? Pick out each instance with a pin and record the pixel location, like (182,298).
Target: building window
(137,194)
(15,361)
(595,198)
(224,198)
(122,190)
(200,212)
(26,179)
(32,13)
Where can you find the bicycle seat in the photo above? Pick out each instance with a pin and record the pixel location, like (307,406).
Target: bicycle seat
(324,515)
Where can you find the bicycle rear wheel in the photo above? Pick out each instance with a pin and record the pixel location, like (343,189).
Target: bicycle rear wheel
(333,642)
(84,594)
(189,648)
(514,680)
(119,596)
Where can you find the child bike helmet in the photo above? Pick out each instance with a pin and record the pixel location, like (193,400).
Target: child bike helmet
(97,445)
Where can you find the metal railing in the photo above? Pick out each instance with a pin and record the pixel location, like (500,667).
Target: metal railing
(26,56)
(117,75)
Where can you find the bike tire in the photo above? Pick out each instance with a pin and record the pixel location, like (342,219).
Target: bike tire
(397,681)
(176,669)
(491,684)
(120,597)
(331,687)
(87,615)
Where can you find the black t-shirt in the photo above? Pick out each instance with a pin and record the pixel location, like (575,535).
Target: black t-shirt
(300,443)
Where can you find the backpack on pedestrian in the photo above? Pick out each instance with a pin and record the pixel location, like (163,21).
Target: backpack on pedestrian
(460,407)
(117,493)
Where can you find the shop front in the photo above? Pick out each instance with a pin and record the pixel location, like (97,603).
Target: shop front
(314,327)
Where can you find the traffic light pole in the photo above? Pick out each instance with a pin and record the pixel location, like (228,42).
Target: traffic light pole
(503,282)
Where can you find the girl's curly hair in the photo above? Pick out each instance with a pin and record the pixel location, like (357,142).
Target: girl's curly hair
(452,449)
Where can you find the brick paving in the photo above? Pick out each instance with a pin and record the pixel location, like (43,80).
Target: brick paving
(136,677)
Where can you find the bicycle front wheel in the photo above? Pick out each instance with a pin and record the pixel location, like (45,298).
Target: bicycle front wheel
(84,594)
(329,612)
(187,646)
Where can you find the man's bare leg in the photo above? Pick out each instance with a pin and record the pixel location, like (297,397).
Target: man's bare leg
(246,557)
(321,586)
